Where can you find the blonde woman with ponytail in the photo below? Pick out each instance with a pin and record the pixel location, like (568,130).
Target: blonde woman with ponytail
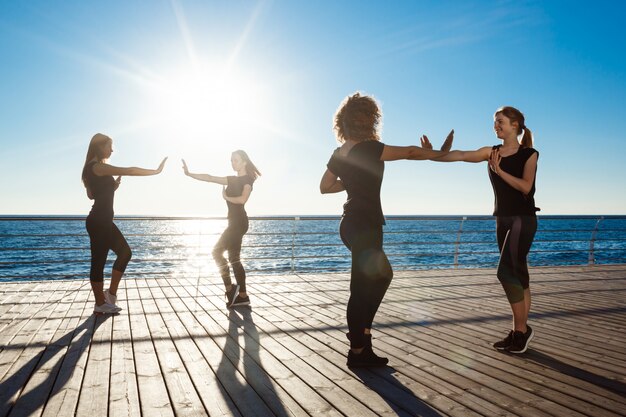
(104,235)
(512,171)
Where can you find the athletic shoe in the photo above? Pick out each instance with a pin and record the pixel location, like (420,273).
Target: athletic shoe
(110,298)
(231,295)
(504,343)
(366,359)
(106,308)
(240,301)
(368,339)
(521,341)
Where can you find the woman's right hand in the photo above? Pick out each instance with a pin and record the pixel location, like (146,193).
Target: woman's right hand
(185,169)
(161,165)
(447,144)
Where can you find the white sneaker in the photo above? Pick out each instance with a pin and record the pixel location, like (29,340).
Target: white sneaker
(106,308)
(110,298)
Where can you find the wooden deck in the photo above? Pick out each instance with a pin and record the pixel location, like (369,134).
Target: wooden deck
(177,352)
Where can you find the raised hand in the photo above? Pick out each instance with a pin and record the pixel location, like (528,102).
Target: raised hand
(161,165)
(426,143)
(447,144)
(185,169)
(494,161)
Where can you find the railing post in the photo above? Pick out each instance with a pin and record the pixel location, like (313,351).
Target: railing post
(293,244)
(458,243)
(592,259)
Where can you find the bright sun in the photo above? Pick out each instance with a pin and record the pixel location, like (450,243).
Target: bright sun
(208,104)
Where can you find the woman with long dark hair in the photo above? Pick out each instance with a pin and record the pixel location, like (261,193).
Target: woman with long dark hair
(357,167)
(512,171)
(97,176)
(236,192)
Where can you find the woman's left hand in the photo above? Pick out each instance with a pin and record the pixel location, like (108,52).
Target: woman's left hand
(494,161)
(118,181)
(426,143)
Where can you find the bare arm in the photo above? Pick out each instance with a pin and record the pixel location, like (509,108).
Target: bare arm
(479,155)
(204,177)
(102,169)
(330,183)
(523,184)
(394,153)
(242,199)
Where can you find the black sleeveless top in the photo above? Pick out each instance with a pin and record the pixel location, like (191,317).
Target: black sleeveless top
(508,200)
(235,189)
(361,172)
(102,189)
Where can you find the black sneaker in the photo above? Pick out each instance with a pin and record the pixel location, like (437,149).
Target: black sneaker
(521,341)
(366,359)
(231,295)
(240,301)
(504,343)
(368,339)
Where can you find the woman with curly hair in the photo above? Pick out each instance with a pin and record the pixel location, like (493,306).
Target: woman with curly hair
(357,167)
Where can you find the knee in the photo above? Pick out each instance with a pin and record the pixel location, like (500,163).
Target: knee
(126,255)
(217,253)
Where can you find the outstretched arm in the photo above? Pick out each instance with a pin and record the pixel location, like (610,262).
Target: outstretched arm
(479,155)
(524,184)
(330,183)
(394,153)
(204,177)
(101,169)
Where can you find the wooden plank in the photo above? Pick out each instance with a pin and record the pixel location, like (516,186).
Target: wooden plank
(39,386)
(94,391)
(272,361)
(183,396)
(24,351)
(66,390)
(153,395)
(124,393)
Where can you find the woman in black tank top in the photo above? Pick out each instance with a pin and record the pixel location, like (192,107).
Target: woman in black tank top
(104,235)
(357,167)
(512,171)
(236,192)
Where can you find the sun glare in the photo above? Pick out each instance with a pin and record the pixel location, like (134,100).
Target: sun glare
(199,105)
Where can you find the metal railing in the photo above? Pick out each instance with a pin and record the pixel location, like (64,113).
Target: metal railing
(58,247)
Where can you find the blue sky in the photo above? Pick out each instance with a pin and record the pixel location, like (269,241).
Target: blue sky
(200,79)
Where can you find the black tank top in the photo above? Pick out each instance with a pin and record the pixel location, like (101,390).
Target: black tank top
(508,200)
(103,190)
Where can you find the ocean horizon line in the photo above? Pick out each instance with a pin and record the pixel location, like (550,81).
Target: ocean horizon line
(286,216)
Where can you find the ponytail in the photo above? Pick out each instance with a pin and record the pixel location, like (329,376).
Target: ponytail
(515,115)
(527,138)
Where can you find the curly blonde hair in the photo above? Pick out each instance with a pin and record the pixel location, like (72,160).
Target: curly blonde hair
(358,118)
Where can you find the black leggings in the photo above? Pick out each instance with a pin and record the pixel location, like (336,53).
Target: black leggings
(231,241)
(104,236)
(370,276)
(515,236)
